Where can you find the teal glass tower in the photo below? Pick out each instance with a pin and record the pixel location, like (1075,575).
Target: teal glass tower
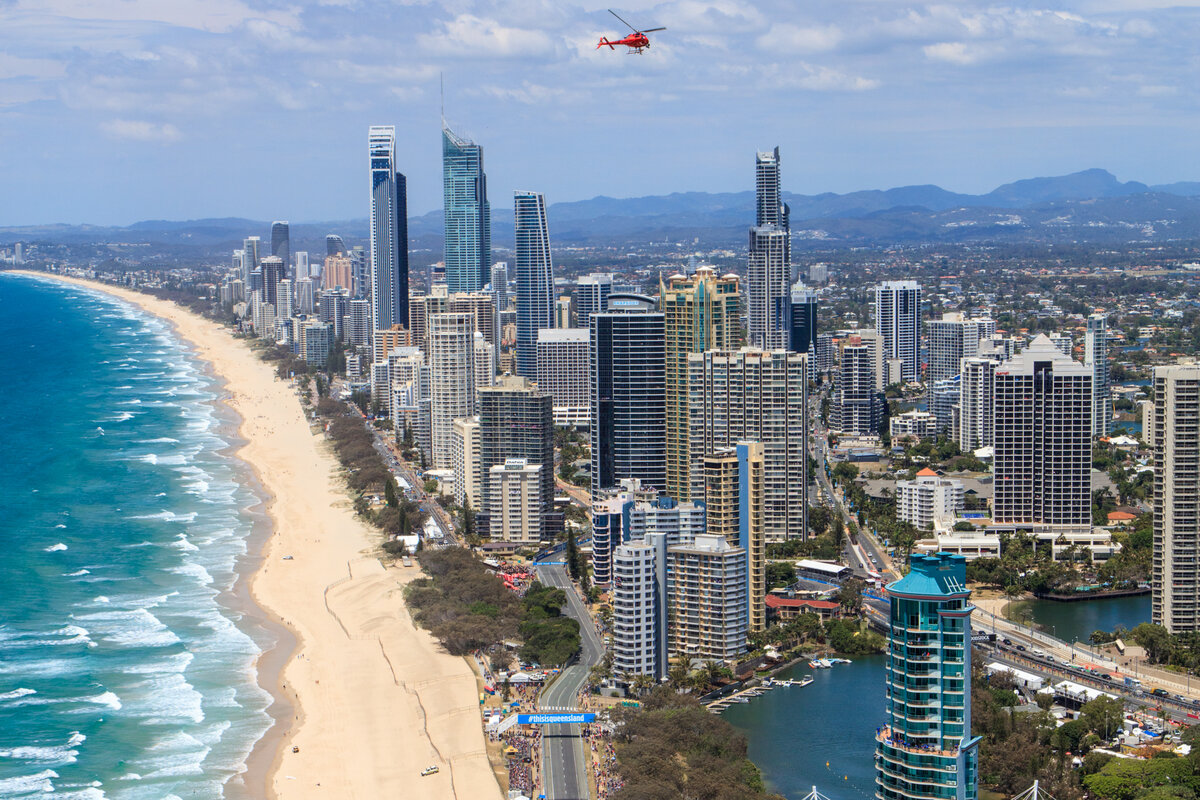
(925,750)
(468,242)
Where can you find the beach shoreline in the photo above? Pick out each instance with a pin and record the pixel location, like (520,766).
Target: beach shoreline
(393,701)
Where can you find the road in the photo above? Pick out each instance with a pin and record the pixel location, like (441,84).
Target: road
(577,494)
(564,754)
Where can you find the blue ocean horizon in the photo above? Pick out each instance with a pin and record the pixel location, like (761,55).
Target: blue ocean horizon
(127,665)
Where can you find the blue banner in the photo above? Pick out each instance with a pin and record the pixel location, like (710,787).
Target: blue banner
(553,719)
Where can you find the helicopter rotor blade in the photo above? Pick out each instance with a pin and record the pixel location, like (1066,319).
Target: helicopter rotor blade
(627,25)
(652,30)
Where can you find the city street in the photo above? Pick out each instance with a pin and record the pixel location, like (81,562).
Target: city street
(564,755)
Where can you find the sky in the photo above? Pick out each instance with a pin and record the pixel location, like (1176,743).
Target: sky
(114,111)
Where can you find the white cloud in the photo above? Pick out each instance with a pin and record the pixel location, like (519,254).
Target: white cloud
(788,38)
(140,130)
(477,37)
(214,16)
(954,52)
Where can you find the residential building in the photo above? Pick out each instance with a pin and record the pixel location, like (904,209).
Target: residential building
(1043,443)
(468,216)
(464,447)
(701,312)
(500,285)
(334,246)
(250,256)
(768,281)
(1095,357)
(305,296)
(679,522)
(1175,573)
(610,528)
(627,393)
(562,312)
(273,271)
(389,340)
(409,398)
(335,305)
(591,296)
(751,395)
(945,395)
(514,502)
(977,401)
(898,323)
(706,589)
(733,500)
(639,606)
(389,232)
(317,342)
(484,360)
(452,379)
(951,339)
(535,278)
(925,750)
(930,501)
(516,421)
(338,274)
(302,267)
(357,325)
(562,372)
(858,390)
(1063,342)
(915,424)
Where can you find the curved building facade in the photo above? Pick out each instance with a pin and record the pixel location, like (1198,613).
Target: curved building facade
(925,750)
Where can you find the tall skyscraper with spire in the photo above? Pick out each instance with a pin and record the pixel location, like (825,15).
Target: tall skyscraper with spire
(535,278)
(468,238)
(389,232)
(769,269)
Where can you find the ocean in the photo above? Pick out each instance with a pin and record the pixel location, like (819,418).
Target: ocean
(127,661)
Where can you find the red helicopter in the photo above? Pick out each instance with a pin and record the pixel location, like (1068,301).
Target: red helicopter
(636,41)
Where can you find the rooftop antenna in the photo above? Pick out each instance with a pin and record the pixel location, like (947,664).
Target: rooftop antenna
(442,91)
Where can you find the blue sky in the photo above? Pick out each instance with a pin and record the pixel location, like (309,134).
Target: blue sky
(113,111)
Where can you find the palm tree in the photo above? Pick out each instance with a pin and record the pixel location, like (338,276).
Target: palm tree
(678,675)
(642,683)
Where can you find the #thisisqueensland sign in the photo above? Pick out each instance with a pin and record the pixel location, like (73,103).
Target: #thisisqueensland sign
(553,719)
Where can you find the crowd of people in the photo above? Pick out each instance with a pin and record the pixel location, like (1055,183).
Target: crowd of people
(604,762)
(522,752)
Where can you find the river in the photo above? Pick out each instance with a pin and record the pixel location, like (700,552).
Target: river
(823,734)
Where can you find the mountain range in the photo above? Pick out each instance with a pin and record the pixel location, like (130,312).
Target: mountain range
(1091,206)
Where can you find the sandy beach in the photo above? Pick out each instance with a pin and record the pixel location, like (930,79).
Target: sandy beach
(374,699)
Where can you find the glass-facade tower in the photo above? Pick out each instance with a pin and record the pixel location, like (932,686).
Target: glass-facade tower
(535,279)
(389,233)
(468,240)
(925,748)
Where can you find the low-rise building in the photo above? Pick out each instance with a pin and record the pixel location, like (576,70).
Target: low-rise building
(929,501)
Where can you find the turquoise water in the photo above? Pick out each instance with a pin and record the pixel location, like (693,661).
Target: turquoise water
(1069,621)
(823,734)
(125,671)
(820,735)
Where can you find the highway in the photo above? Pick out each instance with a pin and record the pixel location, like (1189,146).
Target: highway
(564,753)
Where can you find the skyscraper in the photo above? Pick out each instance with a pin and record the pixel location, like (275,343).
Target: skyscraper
(898,323)
(925,750)
(707,593)
(1175,576)
(627,388)
(500,284)
(639,604)
(701,312)
(768,191)
(751,395)
(1095,356)
(562,372)
(769,271)
(951,339)
(516,421)
(249,259)
(1043,430)
(281,244)
(733,499)
(768,279)
(302,265)
(389,232)
(801,323)
(858,399)
(451,379)
(591,296)
(334,246)
(273,271)
(468,237)
(977,399)
(535,278)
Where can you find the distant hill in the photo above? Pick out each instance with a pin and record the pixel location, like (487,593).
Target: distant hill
(1091,205)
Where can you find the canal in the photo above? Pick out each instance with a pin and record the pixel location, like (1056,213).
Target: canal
(823,734)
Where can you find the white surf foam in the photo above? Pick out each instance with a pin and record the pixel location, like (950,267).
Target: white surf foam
(23,785)
(48,755)
(15,693)
(54,548)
